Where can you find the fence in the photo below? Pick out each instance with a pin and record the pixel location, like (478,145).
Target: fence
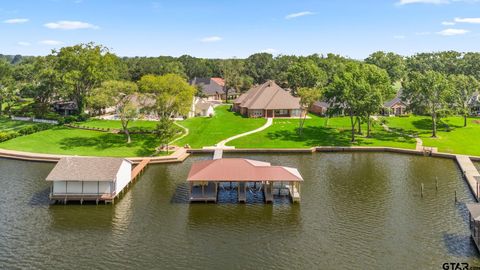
(33,119)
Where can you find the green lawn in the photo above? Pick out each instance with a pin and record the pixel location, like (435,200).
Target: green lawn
(452,137)
(69,141)
(115,124)
(206,131)
(6,124)
(318,131)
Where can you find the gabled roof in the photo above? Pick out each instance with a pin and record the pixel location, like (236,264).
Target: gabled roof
(240,170)
(268,96)
(210,86)
(321,104)
(86,169)
(395,100)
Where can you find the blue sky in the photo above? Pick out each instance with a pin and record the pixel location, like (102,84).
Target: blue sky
(228,28)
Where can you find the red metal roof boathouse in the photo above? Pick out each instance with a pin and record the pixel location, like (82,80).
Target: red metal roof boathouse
(205,176)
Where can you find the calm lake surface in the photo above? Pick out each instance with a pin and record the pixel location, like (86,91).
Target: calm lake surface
(358,211)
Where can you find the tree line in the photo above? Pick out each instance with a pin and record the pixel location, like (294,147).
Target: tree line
(433,83)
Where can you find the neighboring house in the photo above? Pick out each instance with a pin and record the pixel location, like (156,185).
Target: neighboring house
(213,89)
(268,100)
(89,178)
(395,106)
(475,103)
(201,107)
(319,108)
(65,107)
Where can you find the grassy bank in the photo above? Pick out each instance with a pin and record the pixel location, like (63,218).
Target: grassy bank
(207,131)
(68,141)
(452,136)
(116,124)
(319,131)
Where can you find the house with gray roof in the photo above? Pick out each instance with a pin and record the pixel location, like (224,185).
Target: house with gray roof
(395,106)
(474,103)
(268,100)
(213,89)
(89,178)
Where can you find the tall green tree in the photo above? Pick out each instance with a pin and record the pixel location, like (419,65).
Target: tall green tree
(6,82)
(393,63)
(260,66)
(346,92)
(463,88)
(173,94)
(428,92)
(305,74)
(121,94)
(308,96)
(232,71)
(166,131)
(380,88)
(83,67)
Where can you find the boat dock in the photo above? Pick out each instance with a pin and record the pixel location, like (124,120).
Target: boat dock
(206,176)
(471,174)
(139,168)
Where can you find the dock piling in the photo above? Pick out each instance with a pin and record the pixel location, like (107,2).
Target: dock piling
(421,189)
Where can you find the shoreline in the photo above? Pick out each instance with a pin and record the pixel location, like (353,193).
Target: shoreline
(181,154)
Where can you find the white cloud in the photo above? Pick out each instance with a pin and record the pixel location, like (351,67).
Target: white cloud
(70,25)
(270,51)
(448,23)
(453,32)
(467,20)
(435,2)
(399,37)
(298,14)
(23,43)
(16,20)
(51,42)
(211,39)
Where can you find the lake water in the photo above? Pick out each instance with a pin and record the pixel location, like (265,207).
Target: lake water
(358,211)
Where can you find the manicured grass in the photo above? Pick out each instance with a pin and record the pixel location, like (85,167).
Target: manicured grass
(319,131)
(116,124)
(69,141)
(206,131)
(452,137)
(6,124)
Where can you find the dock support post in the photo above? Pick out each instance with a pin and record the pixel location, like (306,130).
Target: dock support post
(422,190)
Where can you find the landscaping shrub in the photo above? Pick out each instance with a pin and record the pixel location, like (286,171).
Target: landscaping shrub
(8,135)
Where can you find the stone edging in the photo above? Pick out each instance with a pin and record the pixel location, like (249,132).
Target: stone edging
(181,154)
(177,156)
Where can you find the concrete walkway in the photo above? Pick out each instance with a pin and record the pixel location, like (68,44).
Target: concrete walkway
(267,124)
(470,173)
(419,143)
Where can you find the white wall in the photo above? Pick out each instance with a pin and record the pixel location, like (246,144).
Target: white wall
(75,187)
(124,175)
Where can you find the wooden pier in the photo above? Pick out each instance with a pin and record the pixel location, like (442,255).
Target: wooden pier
(470,173)
(268,192)
(139,168)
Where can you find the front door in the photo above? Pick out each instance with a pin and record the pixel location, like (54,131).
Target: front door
(269,113)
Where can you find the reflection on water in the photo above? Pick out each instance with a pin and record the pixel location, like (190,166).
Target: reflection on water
(358,211)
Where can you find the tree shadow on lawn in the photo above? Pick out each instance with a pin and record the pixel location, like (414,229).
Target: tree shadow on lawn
(426,125)
(323,136)
(312,136)
(146,144)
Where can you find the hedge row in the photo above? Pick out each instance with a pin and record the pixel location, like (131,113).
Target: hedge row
(8,135)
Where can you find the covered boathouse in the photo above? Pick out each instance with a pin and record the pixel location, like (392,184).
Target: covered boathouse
(89,178)
(206,176)
(474,213)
